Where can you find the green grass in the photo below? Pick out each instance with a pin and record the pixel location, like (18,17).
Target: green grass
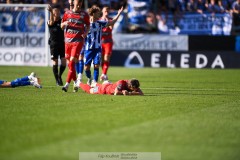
(186,114)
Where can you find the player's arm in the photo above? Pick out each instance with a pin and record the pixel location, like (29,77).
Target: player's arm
(5,85)
(64,24)
(117,92)
(138,92)
(111,23)
(133,93)
(50,21)
(86,31)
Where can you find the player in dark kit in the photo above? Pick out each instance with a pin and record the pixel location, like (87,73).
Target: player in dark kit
(121,87)
(56,42)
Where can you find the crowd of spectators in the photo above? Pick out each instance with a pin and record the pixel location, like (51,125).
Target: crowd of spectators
(157,10)
(64,5)
(161,9)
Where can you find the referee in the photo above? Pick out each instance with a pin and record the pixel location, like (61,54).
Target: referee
(56,42)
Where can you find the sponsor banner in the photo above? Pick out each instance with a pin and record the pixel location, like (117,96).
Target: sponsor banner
(150,42)
(30,40)
(176,59)
(22,21)
(23,56)
(23,49)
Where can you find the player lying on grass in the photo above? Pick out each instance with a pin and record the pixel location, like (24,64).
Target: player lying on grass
(24,81)
(121,87)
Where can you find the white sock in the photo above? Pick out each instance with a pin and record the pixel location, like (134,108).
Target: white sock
(66,85)
(79,76)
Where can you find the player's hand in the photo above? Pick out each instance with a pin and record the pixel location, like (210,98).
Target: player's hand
(120,10)
(84,35)
(64,24)
(125,92)
(70,2)
(49,8)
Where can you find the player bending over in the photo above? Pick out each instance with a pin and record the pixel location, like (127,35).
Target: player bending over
(24,81)
(121,87)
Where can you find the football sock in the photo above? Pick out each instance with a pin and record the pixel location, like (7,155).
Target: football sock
(69,75)
(81,65)
(105,67)
(61,70)
(55,71)
(79,76)
(73,70)
(77,67)
(88,73)
(66,85)
(85,87)
(96,74)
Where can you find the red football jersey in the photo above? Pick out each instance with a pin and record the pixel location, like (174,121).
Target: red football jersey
(110,88)
(107,34)
(76,25)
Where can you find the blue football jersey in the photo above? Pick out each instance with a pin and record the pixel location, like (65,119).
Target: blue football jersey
(93,39)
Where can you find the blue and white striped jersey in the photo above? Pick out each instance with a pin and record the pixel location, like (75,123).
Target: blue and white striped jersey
(93,39)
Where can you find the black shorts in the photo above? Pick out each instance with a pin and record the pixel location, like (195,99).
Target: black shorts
(57,51)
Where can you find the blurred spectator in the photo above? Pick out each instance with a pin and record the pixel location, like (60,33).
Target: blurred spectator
(105,3)
(236,17)
(57,4)
(173,8)
(137,10)
(151,23)
(213,7)
(201,6)
(93,2)
(191,6)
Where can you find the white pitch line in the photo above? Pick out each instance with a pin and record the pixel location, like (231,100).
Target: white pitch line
(170,89)
(190,89)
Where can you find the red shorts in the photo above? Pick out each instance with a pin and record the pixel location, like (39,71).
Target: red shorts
(107,48)
(73,49)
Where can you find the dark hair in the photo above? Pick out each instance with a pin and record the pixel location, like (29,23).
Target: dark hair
(134,83)
(93,10)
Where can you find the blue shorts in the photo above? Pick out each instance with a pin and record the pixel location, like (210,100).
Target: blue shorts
(92,55)
(1,82)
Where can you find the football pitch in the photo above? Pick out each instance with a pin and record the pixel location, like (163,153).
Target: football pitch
(186,114)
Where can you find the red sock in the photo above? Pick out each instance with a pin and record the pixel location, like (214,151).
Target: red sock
(71,72)
(105,67)
(69,75)
(85,87)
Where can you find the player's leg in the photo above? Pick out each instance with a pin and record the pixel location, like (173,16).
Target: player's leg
(62,66)
(68,48)
(55,70)
(107,52)
(85,87)
(54,58)
(96,62)
(21,82)
(72,54)
(80,67)
(5,84)
(87,65)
